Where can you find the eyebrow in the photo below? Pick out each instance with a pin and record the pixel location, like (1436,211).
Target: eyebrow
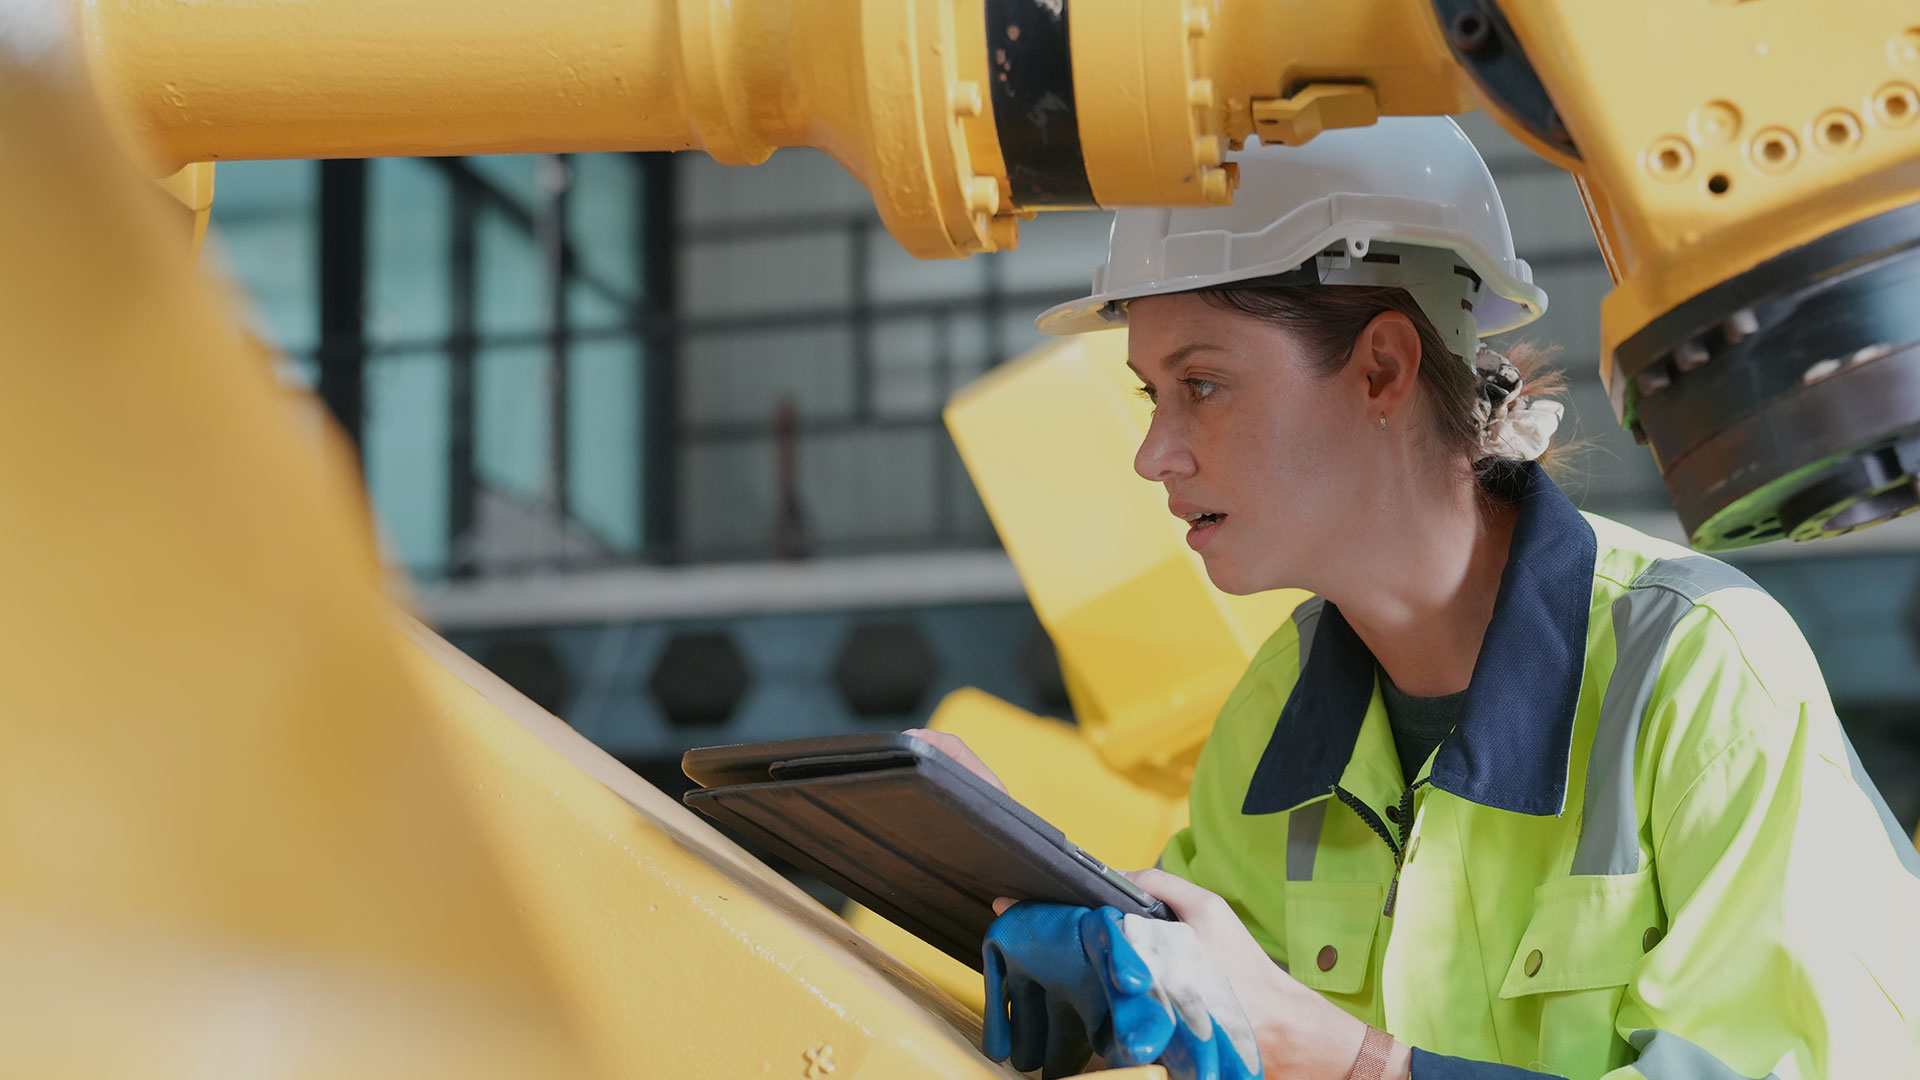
(1180,354)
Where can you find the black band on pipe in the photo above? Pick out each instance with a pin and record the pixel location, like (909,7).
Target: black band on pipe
(1030,78)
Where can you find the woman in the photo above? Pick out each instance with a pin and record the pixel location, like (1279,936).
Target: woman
(1521,786)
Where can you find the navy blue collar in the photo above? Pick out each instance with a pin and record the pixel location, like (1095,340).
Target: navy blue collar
(1511,749)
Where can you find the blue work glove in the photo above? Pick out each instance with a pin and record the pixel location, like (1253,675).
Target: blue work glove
(1045,1001)
(1065,981)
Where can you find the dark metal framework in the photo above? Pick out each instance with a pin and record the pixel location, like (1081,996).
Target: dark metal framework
(342,352)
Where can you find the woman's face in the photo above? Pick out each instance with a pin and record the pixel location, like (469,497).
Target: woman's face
(1244,432)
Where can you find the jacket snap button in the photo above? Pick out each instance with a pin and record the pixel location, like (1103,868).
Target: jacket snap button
(1393,814)
(1328,956)
(1533,963)
(1649,939)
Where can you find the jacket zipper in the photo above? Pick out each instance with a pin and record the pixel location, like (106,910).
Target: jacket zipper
(1397,847)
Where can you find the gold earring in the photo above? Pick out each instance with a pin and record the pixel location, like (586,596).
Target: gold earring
(1383,421)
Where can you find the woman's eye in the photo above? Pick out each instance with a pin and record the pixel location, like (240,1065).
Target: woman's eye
(1199,389)
(1146,392)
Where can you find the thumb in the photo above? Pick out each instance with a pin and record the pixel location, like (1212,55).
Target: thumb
(1108,949)
(1141,1023)
(996,1039)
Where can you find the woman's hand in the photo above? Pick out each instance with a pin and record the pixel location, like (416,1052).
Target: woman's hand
(1302,1035)
(953,747)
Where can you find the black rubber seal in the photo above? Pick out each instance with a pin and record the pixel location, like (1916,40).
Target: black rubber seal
(1030,76)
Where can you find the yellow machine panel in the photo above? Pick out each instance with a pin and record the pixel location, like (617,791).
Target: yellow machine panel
(678,953)
(230,838)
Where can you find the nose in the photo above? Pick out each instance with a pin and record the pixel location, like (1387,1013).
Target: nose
(1163,455)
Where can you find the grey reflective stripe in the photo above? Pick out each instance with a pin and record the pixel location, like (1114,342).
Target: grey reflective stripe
(1306,621)
(1666,1056)
(1643,620)
(1694,577)
(1902,843)
(1303,839)
(1303,824)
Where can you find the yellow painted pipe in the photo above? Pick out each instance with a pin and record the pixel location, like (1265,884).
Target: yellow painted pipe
(899,91)
(876,83)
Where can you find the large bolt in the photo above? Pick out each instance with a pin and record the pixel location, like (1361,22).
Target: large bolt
(967,100)
(983,195)
(1740,326)
(1206,150)
(1200,93)
(1198,22)
(1691,356)
(1215,186)
(1005,232)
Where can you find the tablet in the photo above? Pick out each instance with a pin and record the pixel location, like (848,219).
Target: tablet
(902,828)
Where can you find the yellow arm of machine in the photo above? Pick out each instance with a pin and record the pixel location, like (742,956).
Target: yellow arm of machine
(247,825)
(1751,169)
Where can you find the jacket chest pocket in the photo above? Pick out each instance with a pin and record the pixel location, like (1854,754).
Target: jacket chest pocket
(1574,961)
(1330,932)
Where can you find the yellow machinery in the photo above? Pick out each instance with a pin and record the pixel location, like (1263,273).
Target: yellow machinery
(1751,169)
(249,822)
(252,825)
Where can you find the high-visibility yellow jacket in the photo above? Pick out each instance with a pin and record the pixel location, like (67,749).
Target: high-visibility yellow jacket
(1647,849)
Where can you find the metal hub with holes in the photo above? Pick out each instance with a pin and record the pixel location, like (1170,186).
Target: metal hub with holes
(1785,402)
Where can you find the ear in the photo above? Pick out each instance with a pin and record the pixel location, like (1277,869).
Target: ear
(1386,356)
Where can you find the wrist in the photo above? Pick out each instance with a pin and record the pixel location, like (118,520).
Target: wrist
(1399,1062)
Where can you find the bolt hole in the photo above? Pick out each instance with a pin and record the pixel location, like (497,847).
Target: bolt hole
(1897,105)
(1719,183)
(1471,32)
(1669,159)
(1837,133)
(1774,150)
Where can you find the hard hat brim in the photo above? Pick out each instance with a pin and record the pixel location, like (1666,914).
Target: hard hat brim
(1514,303)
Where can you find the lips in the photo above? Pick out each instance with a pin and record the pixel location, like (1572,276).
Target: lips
(1202,523)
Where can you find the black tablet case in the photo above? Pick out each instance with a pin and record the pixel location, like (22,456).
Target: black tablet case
(905,831)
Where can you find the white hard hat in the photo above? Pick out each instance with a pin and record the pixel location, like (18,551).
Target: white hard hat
(1405,202)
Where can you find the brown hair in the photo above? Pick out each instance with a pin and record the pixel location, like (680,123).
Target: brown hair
(1326,319)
